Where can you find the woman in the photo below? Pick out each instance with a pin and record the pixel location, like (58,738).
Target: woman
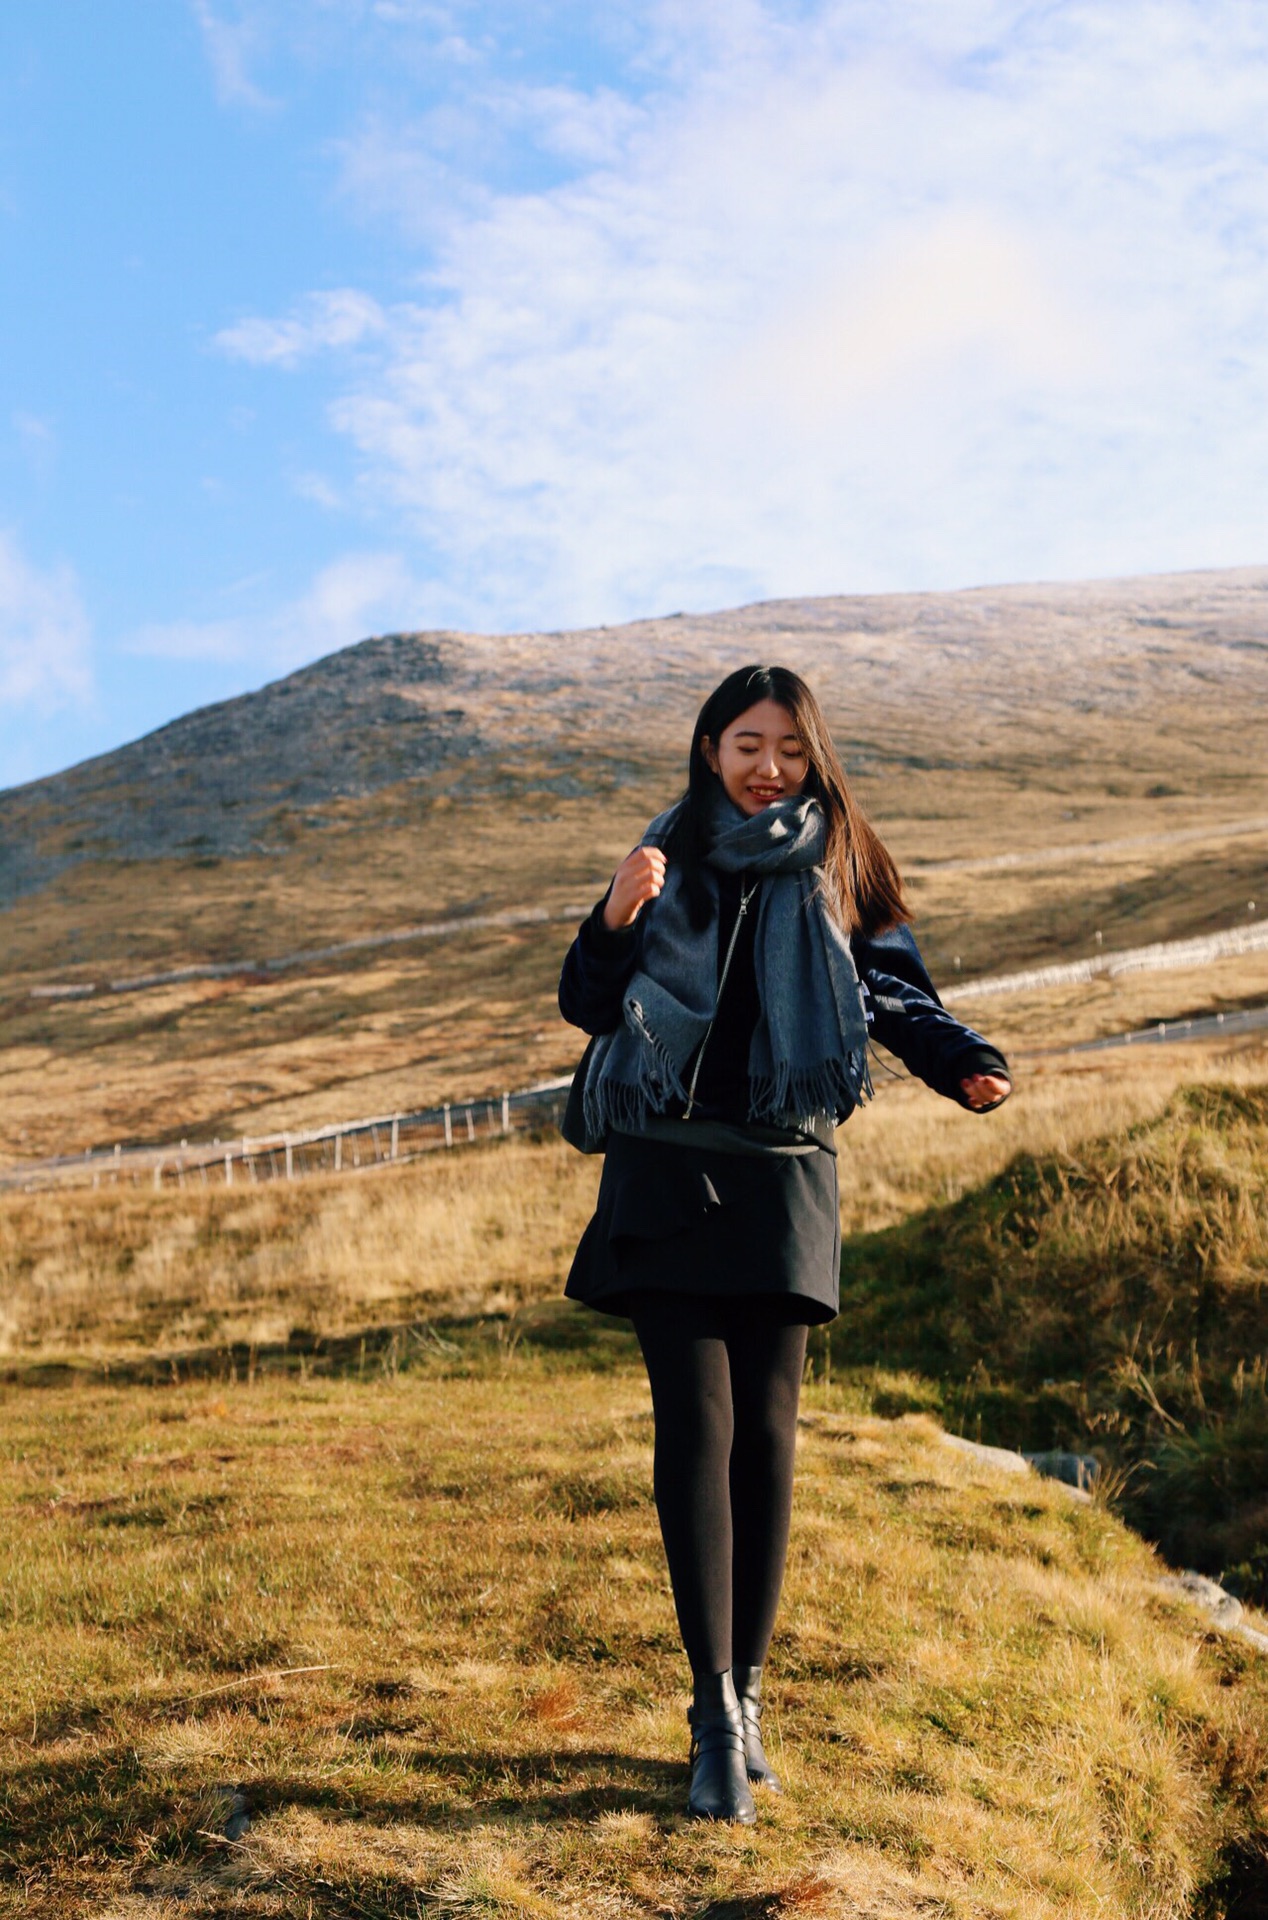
(731,977)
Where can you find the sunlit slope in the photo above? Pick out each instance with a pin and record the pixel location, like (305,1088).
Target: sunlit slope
(1119,730)
(418,1622)
(1111,1298)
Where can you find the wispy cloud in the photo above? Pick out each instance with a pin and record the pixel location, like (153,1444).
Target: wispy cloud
(45,638)
(358,594)
(339,317)
(230,45)
(38,443)
(832,295)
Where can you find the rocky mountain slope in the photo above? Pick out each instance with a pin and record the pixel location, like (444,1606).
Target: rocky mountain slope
(914,681)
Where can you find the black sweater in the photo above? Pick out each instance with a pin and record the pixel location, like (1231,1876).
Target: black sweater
(903,1010)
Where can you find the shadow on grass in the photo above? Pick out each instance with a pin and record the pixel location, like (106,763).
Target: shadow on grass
(99,1816)
(555,1331)
(462,1791)
(107,1806)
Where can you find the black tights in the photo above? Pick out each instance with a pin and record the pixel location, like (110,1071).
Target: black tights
(725,1377)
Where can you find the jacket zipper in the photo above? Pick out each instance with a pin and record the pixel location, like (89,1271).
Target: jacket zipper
(746,895)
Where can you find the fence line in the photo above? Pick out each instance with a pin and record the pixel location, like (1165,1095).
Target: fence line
(353,1145)
(341,1147)
(1160,957)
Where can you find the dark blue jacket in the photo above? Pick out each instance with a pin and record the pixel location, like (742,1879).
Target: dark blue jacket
(903,1010)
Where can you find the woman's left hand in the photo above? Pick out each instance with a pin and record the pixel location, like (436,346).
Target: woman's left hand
(985,1090)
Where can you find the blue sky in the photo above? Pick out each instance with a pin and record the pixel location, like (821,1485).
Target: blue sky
(325,317)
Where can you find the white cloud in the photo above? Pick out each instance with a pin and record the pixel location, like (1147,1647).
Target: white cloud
(339,317)
(317,488)
(358,594)
(38,443)
(849,296)
(229,46)
(45,639)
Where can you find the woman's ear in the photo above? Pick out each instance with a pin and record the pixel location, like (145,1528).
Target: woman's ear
(710,753)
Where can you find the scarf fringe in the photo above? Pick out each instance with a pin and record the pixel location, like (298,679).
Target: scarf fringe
(656,1055)
(835,1087)
(626,1105)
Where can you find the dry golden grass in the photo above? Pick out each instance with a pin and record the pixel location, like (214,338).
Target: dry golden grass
(484,1230)
(223,1058)
(476,1231)
(420,1626)
(1105,1297)
(1018,722)
(910,1150)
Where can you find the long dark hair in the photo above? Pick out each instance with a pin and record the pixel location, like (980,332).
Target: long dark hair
(861,884)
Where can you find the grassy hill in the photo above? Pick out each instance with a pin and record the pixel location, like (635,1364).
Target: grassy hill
(1113,1300)
(402,1644)
(1084,730)
(332,1583)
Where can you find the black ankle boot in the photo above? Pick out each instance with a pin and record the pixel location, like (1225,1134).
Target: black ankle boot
(719,1784)
(748,1689)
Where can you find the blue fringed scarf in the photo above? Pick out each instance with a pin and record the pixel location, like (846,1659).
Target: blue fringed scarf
(809,1049)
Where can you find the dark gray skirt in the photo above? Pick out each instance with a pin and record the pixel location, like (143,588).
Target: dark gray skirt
(678,1219)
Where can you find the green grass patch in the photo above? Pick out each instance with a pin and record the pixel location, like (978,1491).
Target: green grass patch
(1111,1300)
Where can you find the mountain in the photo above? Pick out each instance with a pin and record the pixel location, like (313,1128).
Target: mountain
(925,681)
(1117,729)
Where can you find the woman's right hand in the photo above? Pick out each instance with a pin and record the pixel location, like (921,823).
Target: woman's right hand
(638,879)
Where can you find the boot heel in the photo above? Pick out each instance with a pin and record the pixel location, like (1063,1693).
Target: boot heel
(748,1690)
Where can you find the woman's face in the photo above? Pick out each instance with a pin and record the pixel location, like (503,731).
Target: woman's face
(759,758)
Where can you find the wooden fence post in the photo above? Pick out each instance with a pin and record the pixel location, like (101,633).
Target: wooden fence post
(506,1113)
(396,1134)
(229,1169)
(470,1123)
(338,1153)
(448,1126)
(290,1159)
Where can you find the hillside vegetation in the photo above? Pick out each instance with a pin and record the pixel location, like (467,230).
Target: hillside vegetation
(1112,1300)
(126,1275)
(1081,731)
(380,1649)
(333,1586)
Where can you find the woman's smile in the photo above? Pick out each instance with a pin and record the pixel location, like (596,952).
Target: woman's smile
(759,758)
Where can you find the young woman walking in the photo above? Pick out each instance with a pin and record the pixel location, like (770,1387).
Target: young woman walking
(731,977)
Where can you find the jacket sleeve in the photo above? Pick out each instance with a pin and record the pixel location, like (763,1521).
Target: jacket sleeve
(596,972)
(906,1016)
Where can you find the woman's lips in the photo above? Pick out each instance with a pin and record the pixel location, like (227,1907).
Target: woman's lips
(766,793)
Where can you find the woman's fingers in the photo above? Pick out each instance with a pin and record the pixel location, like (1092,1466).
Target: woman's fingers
(638,879)
(985,1089)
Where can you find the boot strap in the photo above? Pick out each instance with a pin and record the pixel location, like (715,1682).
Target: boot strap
(716,1736)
